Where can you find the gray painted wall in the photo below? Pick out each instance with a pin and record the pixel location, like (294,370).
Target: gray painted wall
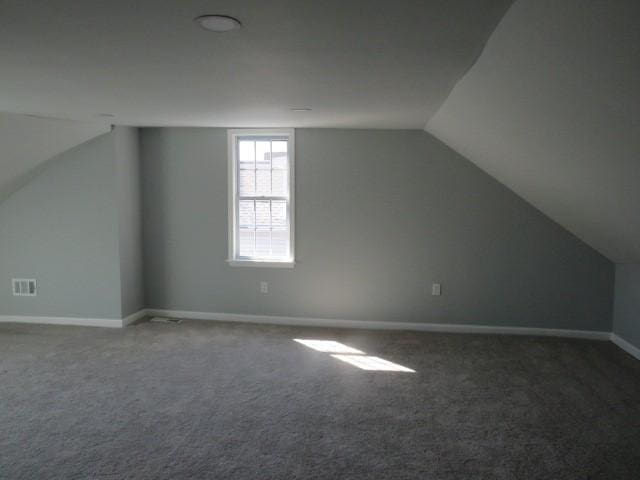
(626,318)
(60,229)
(128,194)
(380,216)
(76,228)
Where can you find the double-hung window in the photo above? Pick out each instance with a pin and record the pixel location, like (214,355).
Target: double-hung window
(261,214)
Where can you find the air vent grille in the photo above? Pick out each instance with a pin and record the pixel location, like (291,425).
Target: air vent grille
(24,287)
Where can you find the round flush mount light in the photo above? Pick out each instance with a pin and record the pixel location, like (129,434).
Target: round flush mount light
(218,23)
(105,115)
(300,109)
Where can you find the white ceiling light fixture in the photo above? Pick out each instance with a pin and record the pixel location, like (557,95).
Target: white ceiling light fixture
(300,109)
(218,23)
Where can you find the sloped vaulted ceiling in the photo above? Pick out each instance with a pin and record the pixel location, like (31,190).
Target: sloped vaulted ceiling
(27,142)
(552,110)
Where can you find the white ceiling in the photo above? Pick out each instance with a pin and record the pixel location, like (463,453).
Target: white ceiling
(357,63)
(28,142)
(552,110)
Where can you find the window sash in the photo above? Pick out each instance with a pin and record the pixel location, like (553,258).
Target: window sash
(257,228)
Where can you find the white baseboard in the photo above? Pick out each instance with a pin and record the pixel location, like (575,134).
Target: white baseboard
(626,346)
(134,317)
(421,327)
(77,321)
(323,322)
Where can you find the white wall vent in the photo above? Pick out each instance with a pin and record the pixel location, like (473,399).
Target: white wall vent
(24,287)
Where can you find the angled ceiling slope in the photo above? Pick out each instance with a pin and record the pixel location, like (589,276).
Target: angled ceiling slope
(27,142)
(552,110)
(356,63)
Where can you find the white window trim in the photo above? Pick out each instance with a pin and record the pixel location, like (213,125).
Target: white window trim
(232,134)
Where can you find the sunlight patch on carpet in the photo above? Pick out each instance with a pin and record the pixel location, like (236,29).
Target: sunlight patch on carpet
(353,356)
(366,362)
(328,346)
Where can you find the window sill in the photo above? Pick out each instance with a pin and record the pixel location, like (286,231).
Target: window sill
(260,264)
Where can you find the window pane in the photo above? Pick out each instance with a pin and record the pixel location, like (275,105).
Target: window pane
(263,214)
(246,240)
(263,155)
(279,155)
(246,217)
(278,213)
(263,182)
(247,182)
(279,180)
(247,152)
(263,243)
(280,243)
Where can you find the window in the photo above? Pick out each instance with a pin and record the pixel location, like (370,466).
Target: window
(261,214)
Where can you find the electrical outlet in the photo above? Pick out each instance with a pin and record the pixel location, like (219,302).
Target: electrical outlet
(436,289)
(264,287)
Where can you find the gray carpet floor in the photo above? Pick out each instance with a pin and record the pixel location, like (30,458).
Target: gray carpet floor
(224,401)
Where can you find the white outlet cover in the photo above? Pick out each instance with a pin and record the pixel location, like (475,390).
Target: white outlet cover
(436,289)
